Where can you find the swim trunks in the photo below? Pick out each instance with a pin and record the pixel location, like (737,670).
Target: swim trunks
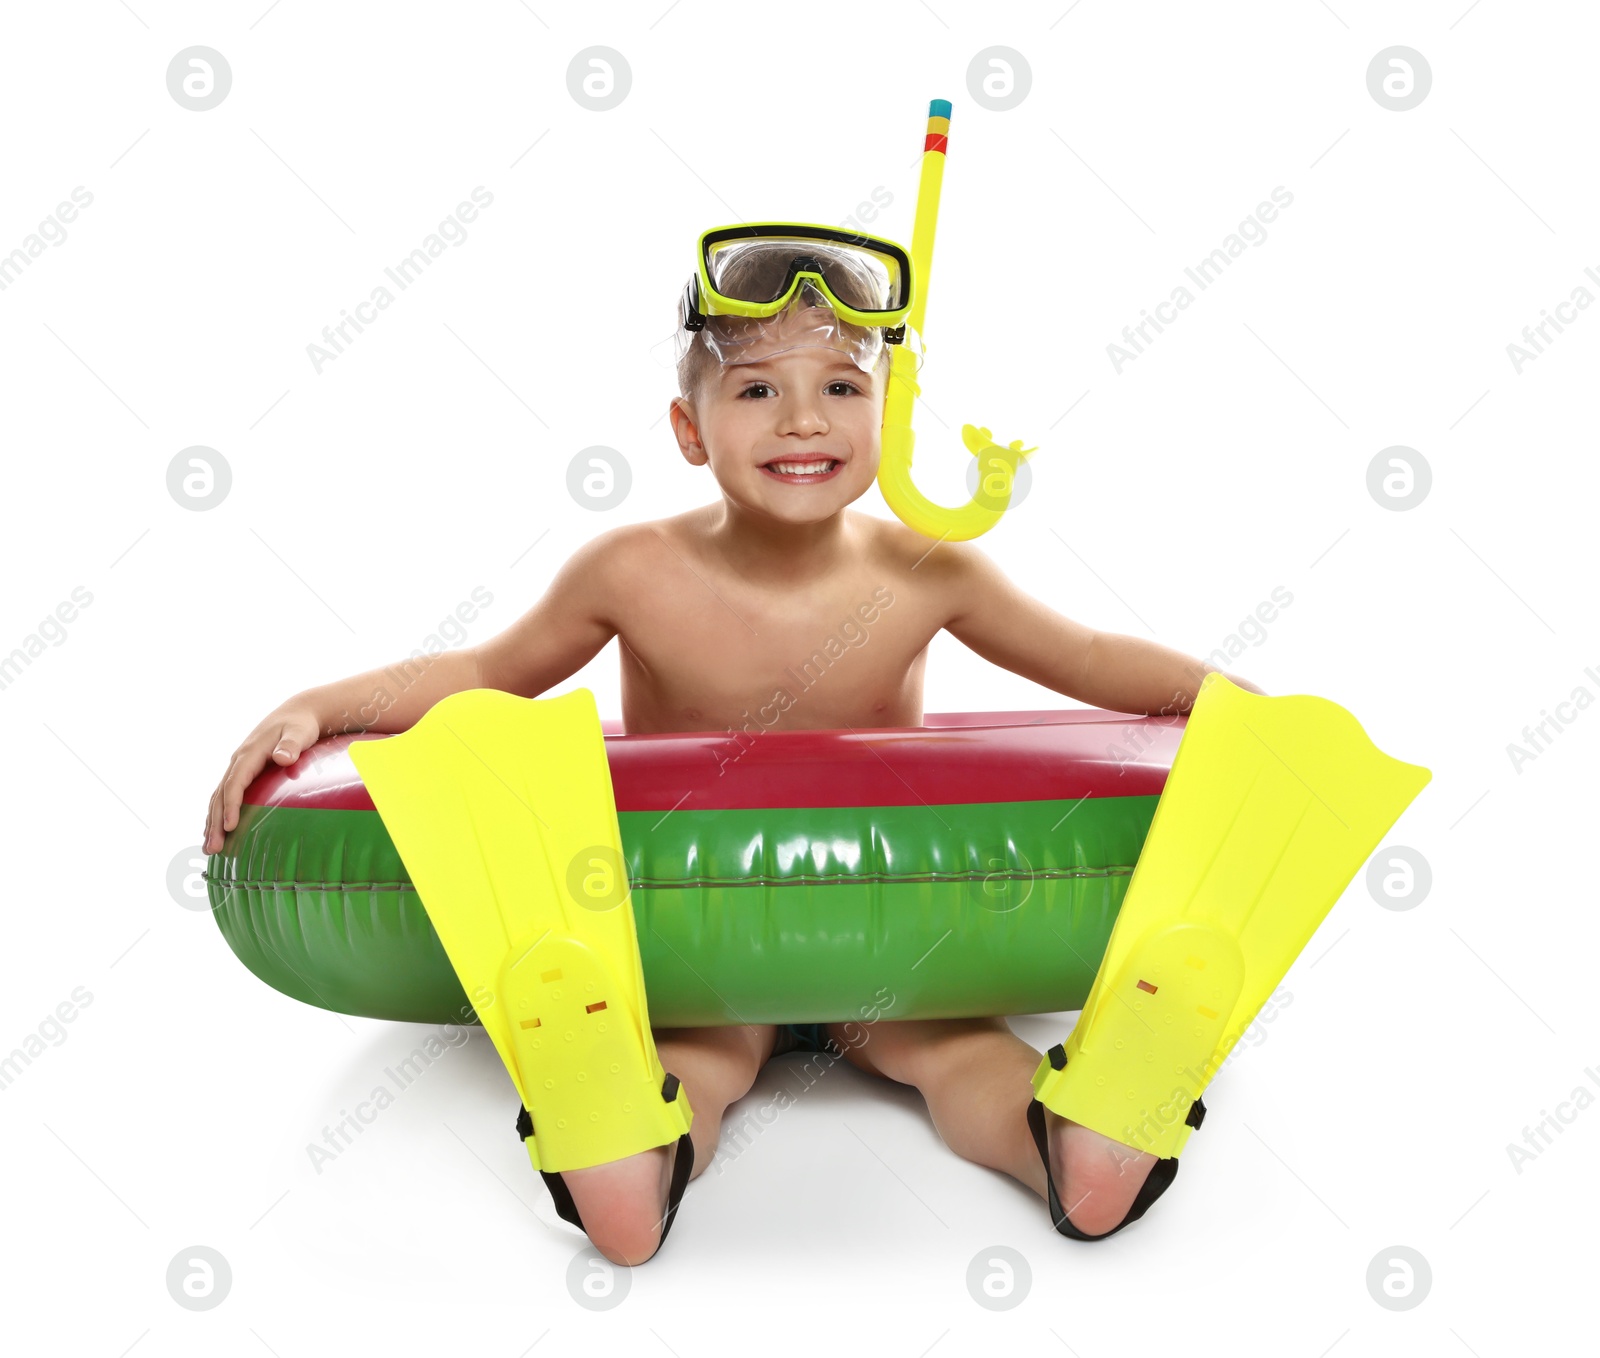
(805,1037)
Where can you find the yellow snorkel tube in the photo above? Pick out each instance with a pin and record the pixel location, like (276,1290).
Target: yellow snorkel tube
(997,466)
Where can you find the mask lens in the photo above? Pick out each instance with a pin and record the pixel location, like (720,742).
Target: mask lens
(761,269)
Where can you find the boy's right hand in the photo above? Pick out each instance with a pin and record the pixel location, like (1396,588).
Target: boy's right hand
(281,737)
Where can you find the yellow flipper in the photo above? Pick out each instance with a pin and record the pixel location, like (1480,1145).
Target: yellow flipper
(502,809)
(1271,807)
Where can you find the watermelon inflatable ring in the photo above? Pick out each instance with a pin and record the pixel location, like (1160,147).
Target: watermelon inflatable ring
(972,865)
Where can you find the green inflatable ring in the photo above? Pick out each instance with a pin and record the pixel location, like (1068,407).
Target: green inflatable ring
(970,866)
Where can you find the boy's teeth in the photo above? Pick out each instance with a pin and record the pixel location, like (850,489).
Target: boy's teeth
(801,468)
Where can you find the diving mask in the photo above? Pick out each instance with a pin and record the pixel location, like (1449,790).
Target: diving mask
(764,288)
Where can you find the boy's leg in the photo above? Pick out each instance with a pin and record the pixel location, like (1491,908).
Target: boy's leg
(977,1078)
(623,1202)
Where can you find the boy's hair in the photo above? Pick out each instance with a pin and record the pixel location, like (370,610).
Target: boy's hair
(760,267)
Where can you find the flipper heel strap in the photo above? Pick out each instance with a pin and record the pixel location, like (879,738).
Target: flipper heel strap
(1160,1178)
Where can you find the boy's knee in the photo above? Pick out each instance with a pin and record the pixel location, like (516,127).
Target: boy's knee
(888,1048)
(930,1045)
(723,1062)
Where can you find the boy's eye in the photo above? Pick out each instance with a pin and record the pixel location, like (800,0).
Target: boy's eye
(764,386)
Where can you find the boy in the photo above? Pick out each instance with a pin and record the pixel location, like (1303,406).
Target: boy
(708,608)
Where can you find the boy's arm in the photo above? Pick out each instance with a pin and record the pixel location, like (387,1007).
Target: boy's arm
(565,629)
(555,638)
(1010,628)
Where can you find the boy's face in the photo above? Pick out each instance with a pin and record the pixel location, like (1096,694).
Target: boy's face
(797,407)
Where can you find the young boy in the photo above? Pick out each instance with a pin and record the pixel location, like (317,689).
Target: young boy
(708,608)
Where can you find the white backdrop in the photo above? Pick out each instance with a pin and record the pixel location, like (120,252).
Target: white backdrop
(348,504)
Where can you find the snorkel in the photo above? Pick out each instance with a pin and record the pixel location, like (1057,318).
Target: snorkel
(997,466)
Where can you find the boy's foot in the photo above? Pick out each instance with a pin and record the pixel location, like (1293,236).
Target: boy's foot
(1097,1178)
(623,1202)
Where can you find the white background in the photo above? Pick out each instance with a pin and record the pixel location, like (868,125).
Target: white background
(369,500)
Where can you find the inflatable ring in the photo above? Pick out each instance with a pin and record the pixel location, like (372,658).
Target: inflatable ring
(970,866)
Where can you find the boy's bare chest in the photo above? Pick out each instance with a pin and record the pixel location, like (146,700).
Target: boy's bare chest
(703,653)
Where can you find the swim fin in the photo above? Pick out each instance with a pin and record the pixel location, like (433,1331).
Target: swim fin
(503,812)
(1271,807)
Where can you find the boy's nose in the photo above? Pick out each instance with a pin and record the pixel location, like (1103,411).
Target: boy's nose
(801,412)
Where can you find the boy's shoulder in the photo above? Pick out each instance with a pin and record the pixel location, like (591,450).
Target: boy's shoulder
(631,552)
(933,559)
(883,543)
(627,540)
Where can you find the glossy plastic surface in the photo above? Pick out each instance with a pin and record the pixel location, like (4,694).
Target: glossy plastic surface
(502,808)
(1273,805)
(972,865)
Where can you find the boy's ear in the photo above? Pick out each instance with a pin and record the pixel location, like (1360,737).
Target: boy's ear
(687,432)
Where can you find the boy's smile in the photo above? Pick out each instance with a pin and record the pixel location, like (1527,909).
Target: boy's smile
(804,471)
(801,469)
